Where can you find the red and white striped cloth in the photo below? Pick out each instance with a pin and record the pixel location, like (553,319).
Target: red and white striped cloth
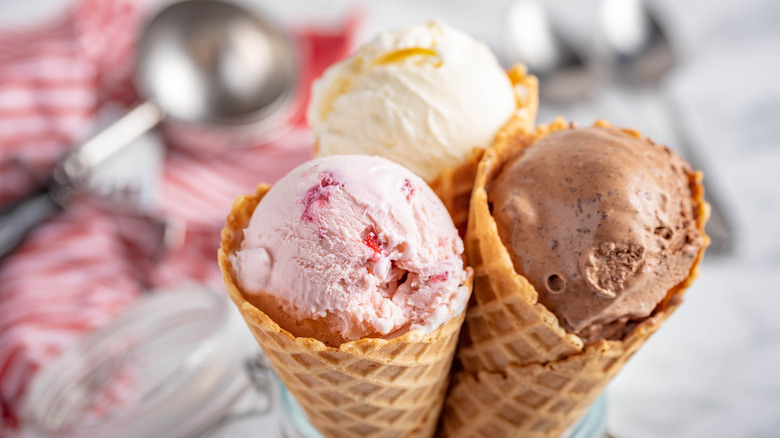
(78,271)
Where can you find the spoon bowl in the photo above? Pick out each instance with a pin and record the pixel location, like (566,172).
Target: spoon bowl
(530,38)
(631,39)
(206,61)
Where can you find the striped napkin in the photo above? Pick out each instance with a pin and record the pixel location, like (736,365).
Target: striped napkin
(78,271)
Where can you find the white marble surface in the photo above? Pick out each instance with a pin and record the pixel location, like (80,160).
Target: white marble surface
(713,370)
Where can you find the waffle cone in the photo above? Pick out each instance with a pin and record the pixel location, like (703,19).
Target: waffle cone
(453,186)
(370,386)
(522,373)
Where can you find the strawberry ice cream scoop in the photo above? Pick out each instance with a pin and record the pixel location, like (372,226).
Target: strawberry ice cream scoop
(350,246)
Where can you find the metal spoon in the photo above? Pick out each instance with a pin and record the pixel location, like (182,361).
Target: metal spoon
(198,61)
(632,41)
(530,38)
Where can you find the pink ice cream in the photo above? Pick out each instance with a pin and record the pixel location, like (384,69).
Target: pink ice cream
(350,246)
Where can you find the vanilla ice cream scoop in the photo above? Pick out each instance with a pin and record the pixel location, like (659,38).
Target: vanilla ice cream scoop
(423,96)
(347,247)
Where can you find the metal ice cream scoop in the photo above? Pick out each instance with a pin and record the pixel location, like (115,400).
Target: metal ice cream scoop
(198,61)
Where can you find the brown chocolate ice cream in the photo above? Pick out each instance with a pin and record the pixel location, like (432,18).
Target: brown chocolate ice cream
(600,222)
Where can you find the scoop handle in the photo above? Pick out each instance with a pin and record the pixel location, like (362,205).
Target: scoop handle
(112,139)
(19,218)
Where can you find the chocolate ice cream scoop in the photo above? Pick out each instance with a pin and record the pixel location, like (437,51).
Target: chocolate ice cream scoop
(602,224)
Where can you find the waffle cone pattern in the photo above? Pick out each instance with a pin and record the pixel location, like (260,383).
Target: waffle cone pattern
(367,387)
(522,375)
(454,186)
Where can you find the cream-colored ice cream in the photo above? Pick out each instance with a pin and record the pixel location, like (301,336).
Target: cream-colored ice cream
(423,96)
